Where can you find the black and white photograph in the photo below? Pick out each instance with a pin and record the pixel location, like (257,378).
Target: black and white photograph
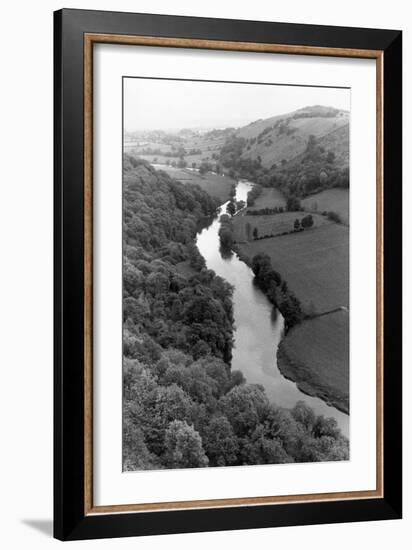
(235,274)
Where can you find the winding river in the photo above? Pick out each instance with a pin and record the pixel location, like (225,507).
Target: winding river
(258,327)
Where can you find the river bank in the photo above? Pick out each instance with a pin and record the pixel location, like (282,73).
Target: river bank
(314,353)
(314,377)
(259,326)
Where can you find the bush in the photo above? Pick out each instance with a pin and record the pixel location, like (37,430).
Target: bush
(333,217)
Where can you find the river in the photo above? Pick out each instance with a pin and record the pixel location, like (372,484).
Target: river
(258,327)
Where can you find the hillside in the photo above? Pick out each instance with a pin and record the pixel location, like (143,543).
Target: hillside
(298,153)
(284,137)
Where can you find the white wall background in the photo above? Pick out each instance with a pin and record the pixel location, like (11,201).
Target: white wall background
(26,273)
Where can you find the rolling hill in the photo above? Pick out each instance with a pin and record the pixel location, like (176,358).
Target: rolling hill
(284,137)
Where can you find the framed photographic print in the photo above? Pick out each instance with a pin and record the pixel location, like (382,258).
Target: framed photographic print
(227,274)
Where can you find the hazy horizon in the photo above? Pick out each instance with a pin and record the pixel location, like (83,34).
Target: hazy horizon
(173,105)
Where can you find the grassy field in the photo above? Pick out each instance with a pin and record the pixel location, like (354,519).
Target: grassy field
(269,198)
(206,146)
(163,159)
(315,264)
(316,355)
(287,135)
(216,186)
(271,224)
(336,200)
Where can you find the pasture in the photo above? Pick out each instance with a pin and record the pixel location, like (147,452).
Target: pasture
(314,263)
(335,200)
(316,354)
(269,198)
(270,225)
(215,185)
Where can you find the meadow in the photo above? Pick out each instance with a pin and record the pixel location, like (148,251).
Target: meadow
(335,200)
(271,224)
(213,184)
(270,197)
(316,353)
(315,264)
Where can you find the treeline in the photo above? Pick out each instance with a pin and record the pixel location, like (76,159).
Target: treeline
(293,204)
(226,233)
(276,289)
(298,225)
(175,151)
(253,194)
(183,405)
(181,413)
(265,211)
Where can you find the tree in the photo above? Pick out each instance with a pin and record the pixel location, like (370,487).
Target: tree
(231,208)
(183,447)
(333,217)
(326,427)
(220,442)
(330,158)
(311,145)
(244,407)
(181,163)
(248,230)
(293,204)
(170,403)
(240,205)
(226,238)
(205,167)
(255,233)
(307,221)
(296,225)
(303,414)
(261,450)
(136,455)
(323,178)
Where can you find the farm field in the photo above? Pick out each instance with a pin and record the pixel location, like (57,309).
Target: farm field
(335,200)
(198,147)
(215,185)
(315,264)
(141,145)
(270,225)
(316,354)
(190,159)
(157,159)
(269,198)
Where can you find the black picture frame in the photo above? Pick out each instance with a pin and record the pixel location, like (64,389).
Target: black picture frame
(70,520)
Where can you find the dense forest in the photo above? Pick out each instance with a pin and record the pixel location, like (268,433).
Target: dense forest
(183,404)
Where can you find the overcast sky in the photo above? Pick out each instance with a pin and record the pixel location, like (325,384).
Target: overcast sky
(153,104)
